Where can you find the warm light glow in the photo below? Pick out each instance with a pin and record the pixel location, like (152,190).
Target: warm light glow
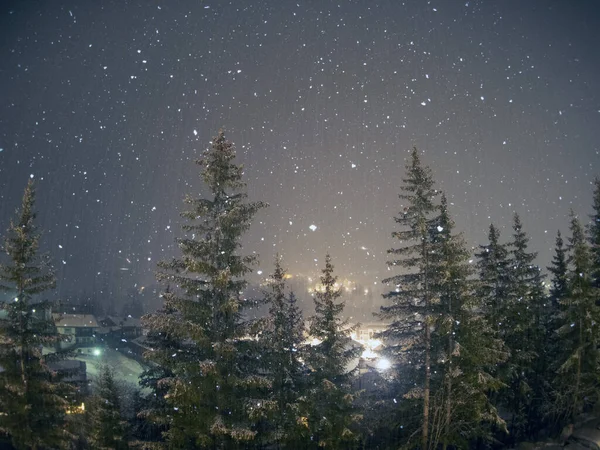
(77,410)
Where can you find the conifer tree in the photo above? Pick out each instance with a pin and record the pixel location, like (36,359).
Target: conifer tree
(32,399)
(558,269)
(212,389)
(594,234)
(465,345)
(156,412)
(523,334)
(107,427)
(412,310)
(577,379)
(558,293)
(281,344)
(493,264)
(330,402)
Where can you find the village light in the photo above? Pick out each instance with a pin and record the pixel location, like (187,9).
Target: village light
(383,364)
(96,352)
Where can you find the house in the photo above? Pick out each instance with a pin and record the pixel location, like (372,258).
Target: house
(121,327)
(368,331)
(77,331)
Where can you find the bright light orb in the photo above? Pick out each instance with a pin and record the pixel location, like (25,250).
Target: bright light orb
(96,352)
(313,227)
(383,364)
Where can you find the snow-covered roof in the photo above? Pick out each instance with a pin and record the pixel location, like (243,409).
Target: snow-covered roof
(75,320)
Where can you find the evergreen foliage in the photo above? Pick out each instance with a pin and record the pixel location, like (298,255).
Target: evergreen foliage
(558,270)
(107,427)
(156,411)
(33,401)
(594,233)
(465,346)
(214,377)
(412,310)
(525,299)
(282,344)
(577,380)
(329,402)
(493,267)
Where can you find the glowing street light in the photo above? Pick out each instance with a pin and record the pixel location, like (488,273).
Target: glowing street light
(383,364)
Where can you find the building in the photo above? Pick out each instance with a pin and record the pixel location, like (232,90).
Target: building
(77,331)
(368,331)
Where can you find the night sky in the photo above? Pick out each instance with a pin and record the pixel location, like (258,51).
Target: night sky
(108,103)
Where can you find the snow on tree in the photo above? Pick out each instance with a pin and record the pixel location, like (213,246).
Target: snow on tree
(281,344)
(329,401)
(214,379)
(412,310)
(107,428)
(577,376)
(465,347)
(32,398)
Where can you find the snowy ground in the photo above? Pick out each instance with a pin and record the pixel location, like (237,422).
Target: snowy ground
(126,369)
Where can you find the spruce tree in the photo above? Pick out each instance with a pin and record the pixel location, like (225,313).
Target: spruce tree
(107,429)
(558,269)
(32,398)
(212,389)
(329,402)
(412,310)
(281,343)
(594,234)
(493,267)
(465,345)
(156,412)
(522,335)
(577,380)
(558,292)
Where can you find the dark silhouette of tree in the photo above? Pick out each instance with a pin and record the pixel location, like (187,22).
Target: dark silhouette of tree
(214,377)
(32,398)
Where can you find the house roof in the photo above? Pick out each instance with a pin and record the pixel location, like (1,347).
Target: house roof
(126,321)
(75,320)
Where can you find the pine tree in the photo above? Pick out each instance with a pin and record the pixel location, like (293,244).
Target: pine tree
(32,399)
(107,427)
(493,264)
(558,293)
(330,402)
(522,335)
(214,375)
(281,343)
(156,412)
(594,234)
(558,269)
(466,346)
(412,310)
(578,380)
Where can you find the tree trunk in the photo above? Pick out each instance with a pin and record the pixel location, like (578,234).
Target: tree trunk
(424,436)
(449,396)
(578,373)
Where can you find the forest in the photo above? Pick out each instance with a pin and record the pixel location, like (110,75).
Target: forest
(487,349)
